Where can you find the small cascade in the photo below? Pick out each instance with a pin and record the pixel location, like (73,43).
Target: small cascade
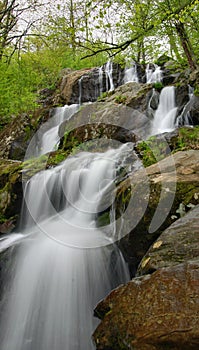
(153,73)
(165,115)
(130,74)
(100,78)
(50,139)
(109,76)
(66,264)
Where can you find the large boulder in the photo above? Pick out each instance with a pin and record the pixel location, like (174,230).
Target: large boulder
(158,311)
(177,244)
(154,312)
(151,200)
(86,85)
(119,116)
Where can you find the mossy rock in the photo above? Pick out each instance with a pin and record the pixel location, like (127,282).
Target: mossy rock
(158,147)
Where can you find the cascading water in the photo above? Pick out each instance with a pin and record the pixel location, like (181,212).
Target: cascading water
(130,74)
(153,74)
(50,138)
(100,78)
(109,76)
(65,264)
(165,115)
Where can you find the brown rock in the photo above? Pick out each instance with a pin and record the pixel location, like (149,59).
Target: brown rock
(154,312)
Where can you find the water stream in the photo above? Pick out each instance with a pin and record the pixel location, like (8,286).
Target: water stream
(165,115)
(153,73)
(65,263)
(130,74)
(50,139)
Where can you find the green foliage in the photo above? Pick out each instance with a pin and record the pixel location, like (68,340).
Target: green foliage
(120,99)
(21,80)
(154,149)
(196,90)
(158,86)
(188,138)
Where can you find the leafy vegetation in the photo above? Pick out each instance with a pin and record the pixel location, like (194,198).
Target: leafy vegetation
(34,49)
(156,148)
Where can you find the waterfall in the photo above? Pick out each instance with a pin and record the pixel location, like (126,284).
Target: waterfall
(65,264)
(153,73)
(109,76)
(165,115)
(100,78)
(130,74)
(50,138)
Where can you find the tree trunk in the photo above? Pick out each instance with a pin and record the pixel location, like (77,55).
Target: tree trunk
(186,44)
(72,24)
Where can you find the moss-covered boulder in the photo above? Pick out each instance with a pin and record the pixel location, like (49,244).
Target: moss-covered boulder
(151,199)
(10,193)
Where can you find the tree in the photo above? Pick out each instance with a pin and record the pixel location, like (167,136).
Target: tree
(15,24)
(147,18)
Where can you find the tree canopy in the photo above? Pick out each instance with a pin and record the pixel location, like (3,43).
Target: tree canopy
(38,38)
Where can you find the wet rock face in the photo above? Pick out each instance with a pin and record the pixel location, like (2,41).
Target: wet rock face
(87,84)
(154,312)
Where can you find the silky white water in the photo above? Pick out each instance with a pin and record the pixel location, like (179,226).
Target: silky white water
(109,76)
(165,115)
(153,75)
(130,74)
(65,265)
(50,138)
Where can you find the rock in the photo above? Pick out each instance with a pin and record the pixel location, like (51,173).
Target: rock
(181,97)
(133,95)
(85,85)
(15,137)
(153,312)
(67,85)
(10,193)
(109,120)
(152,103)
(148,202)
(11,136)
(193,109)
(177,244)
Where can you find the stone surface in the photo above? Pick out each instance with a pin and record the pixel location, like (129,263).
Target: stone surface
(10,193)
(85,85)
(179,242)
(110,115)
(159,311)
(154,312)
(149,201)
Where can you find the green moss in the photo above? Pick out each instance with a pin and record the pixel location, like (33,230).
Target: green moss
(155,149)
(196,90)
(151,151)
(158,86)
(188,138)
(104,95)
(120,99)
(103,219)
